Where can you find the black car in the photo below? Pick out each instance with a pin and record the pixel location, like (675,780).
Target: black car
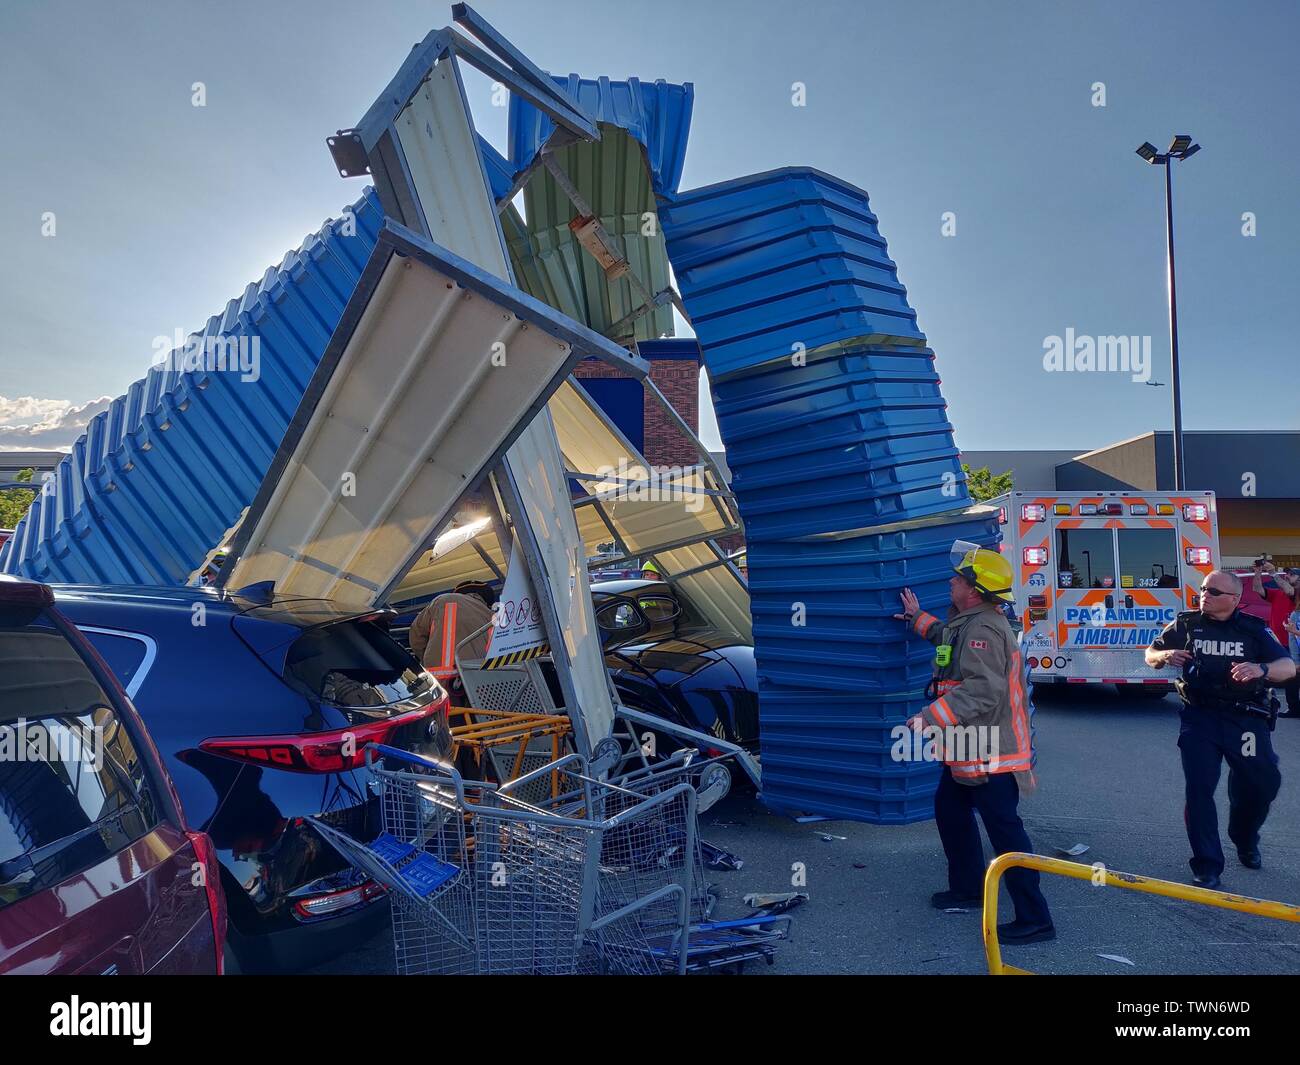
(669,662)
(262,712)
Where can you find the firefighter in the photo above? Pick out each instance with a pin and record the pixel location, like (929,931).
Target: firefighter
(1227,662)
(979,681)
(448,622)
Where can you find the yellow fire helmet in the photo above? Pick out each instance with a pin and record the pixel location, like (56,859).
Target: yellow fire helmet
(988,570)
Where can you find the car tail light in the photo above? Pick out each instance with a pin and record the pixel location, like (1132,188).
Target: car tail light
(1164,508)
(1195,512)
(1087,508)
(206,854)
(1035,556)
(1198,556)
(1140,509)
(331,902)
(1033,512)
(331,751)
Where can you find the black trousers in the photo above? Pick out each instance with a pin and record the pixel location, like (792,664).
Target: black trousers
(1206,739)
(996,801)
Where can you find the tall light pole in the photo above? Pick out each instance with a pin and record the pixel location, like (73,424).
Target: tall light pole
(1180,148)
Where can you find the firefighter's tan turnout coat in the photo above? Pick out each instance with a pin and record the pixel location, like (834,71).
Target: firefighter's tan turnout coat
(982,684)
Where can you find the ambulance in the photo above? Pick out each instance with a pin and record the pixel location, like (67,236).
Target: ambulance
(1097,575)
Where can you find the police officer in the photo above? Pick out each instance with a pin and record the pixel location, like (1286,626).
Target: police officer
(979,713)
(1228,661)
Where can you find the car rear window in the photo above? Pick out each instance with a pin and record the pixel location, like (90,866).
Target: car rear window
(123,654)
(355,664)
(73,788)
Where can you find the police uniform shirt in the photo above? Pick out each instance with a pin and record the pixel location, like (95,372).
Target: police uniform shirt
(1216,646)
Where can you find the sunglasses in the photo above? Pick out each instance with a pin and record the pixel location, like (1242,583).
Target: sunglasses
(1216,592)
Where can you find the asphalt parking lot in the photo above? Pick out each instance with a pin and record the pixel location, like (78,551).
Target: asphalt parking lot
(1109,779)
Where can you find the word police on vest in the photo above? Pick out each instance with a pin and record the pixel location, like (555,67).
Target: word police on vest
(1219,648)
(102,1018)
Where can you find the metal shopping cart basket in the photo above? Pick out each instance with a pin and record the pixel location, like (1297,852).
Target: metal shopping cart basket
(595,880)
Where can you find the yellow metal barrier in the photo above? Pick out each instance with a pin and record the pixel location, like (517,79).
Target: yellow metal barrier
(1280,911)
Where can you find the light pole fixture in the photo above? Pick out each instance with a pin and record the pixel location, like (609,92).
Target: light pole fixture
(1181,147)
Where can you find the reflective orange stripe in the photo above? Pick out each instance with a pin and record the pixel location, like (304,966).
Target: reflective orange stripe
(447,664)
(1016,691)
(945,686)
(923,621)
(943,712)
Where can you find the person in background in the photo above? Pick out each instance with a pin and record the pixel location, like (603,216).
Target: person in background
(649,571)
(1276,589)
(1292,627)
(447,624)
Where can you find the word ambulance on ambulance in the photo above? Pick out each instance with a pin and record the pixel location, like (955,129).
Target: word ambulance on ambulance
(1098,575)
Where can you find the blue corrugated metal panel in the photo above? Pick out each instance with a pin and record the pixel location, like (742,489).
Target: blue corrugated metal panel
(501,174)
(781,259)
(855,439)
(854,435)
(656,113)
(834,689)
(160,476)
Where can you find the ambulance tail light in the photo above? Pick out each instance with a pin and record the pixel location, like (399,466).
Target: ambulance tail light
(1033,512)
(1002,515)
(1036,615)
(1198,556)
(1195,512)
(1087,509)
(1033,663)
(1061,508)
(1113,508)
(1038,601)
(1035,556)
(1139,509)
(1164,508)
(1193,601)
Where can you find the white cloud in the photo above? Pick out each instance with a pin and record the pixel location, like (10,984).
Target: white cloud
(31,424)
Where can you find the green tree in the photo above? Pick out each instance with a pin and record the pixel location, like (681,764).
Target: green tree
(984,484)
(15,501)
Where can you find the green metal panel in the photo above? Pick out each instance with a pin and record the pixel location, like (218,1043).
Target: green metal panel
(613,178)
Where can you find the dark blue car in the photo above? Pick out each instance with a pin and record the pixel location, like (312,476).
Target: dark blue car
(675,665)
(262,712)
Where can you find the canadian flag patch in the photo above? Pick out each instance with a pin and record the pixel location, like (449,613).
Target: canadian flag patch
(979,645)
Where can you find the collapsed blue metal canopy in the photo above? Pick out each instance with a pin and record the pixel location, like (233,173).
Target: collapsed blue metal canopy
(657,114)
(844,469)
(158,479)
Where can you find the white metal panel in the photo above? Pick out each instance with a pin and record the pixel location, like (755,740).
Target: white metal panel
(442,158)
(411,416)
(445,169)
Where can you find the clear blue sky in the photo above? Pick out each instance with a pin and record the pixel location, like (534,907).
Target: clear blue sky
(164,211)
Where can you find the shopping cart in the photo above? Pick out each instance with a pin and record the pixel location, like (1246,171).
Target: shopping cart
(595,879)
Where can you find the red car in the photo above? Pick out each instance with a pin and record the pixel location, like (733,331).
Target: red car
(97,871)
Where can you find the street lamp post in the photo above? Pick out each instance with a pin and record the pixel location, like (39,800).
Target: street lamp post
(1180,148)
